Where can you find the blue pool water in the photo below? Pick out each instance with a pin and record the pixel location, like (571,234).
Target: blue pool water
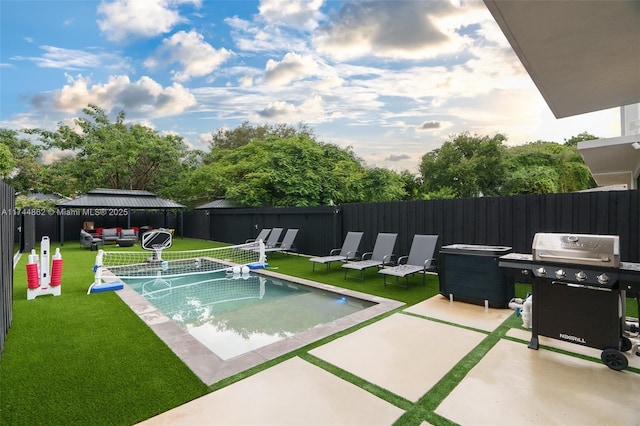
(232,315)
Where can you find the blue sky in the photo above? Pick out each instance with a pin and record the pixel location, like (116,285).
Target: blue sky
(391,79)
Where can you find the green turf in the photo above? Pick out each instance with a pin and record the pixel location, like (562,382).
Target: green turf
(88,359)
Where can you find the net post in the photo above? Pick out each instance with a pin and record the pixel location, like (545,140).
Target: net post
(263,253)
(97,270)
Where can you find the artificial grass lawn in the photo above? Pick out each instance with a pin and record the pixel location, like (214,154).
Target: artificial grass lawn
(88,359)
(85,359)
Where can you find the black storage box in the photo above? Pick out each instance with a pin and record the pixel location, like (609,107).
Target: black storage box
(471,273)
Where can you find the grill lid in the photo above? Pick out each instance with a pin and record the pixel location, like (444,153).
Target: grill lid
(577,249)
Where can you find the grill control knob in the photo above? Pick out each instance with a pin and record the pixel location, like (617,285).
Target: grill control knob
(603,278)
(541,271)
(560,273)
(581,276)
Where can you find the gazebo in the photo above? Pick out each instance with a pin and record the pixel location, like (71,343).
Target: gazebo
(119,200)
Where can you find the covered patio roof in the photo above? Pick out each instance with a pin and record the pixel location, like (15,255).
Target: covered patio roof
(583,56)
(612,161)
(120,198)
(102,198)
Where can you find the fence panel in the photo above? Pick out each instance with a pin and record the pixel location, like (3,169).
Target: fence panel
(508,221)
(7,229)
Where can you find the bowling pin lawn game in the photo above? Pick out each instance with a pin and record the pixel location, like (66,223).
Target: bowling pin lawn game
(39,280)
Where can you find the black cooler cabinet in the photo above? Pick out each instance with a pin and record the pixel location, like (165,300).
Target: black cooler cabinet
(471,273)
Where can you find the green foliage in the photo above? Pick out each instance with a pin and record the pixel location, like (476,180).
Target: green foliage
(24,201)
(7,163)
(115,155)
(277,165)
(532,180)
(584,136)
(544,168)
(470,165)
(383,185)
(25,175)
(412,184)
(224,139)
(296,171)
(444,193)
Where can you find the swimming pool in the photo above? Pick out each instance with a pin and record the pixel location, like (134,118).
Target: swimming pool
(209,366)
(235,314)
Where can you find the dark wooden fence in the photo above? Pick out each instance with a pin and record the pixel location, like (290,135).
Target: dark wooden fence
(7,216)
(505,221)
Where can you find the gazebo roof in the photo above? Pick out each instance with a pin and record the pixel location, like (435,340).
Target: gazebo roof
(220,203)
(120,198)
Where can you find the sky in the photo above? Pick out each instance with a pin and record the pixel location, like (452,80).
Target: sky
(391,79)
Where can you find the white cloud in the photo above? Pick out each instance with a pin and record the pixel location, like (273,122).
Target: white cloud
(251,37)
(292,67)
(123,19)
(394,29)
(55,154)
(197,57)
(74,59)
(429,125)
(309,111)
(142,96)
(302,14)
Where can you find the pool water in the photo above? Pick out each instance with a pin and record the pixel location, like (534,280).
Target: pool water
(235,314)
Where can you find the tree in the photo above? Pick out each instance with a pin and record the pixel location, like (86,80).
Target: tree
(224,139)
(25,174)
(412,184)
(7,163)
(294,171)
(116,155)
(545,167)
(383,185)
(465,166)
(584,136)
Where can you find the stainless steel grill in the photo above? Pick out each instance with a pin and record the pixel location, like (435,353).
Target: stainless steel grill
(579,290)
(594,250)
(590,260)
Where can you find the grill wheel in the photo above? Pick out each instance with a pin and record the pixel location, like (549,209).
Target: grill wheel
(614,359)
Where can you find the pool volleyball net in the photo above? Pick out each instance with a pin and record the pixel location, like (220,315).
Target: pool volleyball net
(143,264)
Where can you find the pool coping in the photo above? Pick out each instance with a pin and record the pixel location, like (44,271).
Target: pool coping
(209,367)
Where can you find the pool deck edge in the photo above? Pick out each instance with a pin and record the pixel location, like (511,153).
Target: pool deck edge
(210,368)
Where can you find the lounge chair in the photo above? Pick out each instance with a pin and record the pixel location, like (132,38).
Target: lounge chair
(287,242)
(349,251)
(262,235)
(381,255)
(89,241)
(274,237)
(420,259)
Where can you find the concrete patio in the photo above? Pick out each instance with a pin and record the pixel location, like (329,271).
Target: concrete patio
(406,354)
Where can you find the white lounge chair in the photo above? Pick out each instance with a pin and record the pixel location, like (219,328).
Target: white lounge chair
(420,259)
(349,251)
(381,255)
(287,243)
